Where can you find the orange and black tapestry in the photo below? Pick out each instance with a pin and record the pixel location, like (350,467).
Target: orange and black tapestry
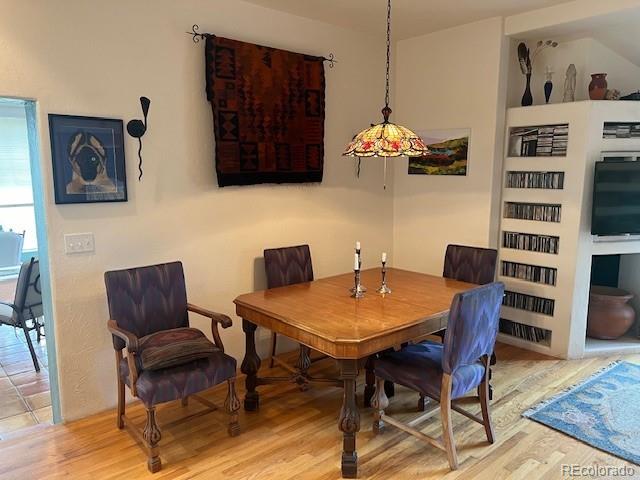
(268,113)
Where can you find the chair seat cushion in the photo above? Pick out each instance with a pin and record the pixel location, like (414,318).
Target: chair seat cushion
(173,383)
(419,367)
(168,348)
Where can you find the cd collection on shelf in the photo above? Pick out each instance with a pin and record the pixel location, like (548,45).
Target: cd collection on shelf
(530,273)
(543,212)
(621,130)
(539,141)
(531,303)
(531,242)
(526,332)
(546,180)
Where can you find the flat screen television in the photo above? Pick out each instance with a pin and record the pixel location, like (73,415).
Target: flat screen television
(616,198)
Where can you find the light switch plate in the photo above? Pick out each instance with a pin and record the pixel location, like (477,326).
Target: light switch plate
(78,243)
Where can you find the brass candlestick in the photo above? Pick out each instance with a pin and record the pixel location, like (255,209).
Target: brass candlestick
(357,291)
(384,289)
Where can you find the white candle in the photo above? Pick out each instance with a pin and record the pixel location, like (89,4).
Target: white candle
(358,246)
(384,257)
(356,262)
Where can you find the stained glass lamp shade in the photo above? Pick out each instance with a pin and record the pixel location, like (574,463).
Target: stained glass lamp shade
(386,139)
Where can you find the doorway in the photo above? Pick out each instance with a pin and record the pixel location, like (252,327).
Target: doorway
(27,353)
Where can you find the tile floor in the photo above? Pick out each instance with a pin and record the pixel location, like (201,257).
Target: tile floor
(25,399)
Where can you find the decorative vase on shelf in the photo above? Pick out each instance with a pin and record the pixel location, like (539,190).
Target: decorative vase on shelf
(548,85)
(569,94)
(609,315)
(598,86)
(527,98)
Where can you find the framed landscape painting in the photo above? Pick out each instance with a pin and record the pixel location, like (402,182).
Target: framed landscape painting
(449,151)
(88,159)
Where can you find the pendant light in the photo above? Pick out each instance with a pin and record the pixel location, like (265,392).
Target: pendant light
(386,139)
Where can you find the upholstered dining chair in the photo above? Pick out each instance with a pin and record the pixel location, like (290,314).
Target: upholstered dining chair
(286,266)
(472,265)
(165,359)
(26,306)
(446,372)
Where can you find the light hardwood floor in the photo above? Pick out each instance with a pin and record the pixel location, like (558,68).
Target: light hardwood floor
(295,436)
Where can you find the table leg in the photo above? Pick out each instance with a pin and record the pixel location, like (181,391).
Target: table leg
(250,366)
(302,365)
(349,423)
(370,380)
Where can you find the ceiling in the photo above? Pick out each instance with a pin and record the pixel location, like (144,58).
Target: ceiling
(410,17)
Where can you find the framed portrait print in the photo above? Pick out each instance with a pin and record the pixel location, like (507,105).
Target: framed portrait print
(88,159)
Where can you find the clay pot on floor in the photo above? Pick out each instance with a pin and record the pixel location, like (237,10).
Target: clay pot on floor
(609,315)
(598,86)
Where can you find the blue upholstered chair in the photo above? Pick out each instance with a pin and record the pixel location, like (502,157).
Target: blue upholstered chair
(446,372)
(165,359)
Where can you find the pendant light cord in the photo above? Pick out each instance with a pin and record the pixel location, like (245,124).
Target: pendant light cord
(386,111)
(386,96)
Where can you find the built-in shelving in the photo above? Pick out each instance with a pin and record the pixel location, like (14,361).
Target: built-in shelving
(545,241)
(536,180)
(531,242)
(539,212)
(525,332)
(530,303)
(621,130)
(539,140)
(529,273)
(536,171)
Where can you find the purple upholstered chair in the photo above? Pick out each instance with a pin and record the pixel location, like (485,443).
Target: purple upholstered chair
(286,266)
(165,359)
(470,264)
(447,371)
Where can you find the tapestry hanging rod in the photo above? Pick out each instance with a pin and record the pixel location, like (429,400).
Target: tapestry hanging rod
(197,36)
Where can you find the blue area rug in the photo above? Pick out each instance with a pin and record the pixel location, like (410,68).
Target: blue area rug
(602,411)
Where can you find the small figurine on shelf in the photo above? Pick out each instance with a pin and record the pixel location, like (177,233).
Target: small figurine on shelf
(548,85)
(570,84)
(612,94)
(526,60)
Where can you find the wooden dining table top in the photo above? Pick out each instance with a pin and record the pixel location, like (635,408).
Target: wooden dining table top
(322,314)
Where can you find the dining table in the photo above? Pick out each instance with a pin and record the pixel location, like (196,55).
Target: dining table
(322,315)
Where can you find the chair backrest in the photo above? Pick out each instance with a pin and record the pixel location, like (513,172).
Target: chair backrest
(470,264)
(10,249)
(473,326)
(146,300)
(28,297)
(288,265)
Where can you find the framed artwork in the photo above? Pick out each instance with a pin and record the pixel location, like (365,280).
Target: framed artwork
(449,152)
(88,159)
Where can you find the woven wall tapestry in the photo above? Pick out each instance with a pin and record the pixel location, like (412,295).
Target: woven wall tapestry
(268,113)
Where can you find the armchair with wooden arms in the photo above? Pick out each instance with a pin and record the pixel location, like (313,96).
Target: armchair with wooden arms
(164,359)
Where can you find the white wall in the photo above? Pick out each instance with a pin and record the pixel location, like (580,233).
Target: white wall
(450,79)
(587,54)
(96,58)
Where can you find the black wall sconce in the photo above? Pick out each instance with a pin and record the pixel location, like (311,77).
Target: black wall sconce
(137,129)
